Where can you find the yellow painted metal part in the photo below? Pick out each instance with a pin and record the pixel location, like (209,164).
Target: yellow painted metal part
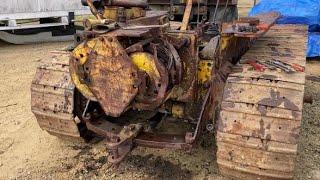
(111,13)
(204,71)
(130,13)
(178,110)
(136,12)
(145,62)
(225,42)
(81,52)
(83,88)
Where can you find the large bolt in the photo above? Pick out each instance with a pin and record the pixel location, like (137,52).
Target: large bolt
(210,127)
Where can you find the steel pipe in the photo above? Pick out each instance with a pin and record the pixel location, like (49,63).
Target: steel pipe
(129,3)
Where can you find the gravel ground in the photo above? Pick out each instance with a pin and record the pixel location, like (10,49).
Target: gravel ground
(27,152)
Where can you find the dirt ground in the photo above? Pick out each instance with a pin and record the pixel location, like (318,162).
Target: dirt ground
(27,152)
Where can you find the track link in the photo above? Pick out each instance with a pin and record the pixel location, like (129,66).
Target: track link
(261,112)
(52,97)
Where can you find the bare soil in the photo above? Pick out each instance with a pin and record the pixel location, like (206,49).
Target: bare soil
(27,152)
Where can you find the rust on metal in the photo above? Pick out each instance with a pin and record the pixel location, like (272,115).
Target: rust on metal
(109,66)
(52,93)
(130,76)
(252,27)
(186,16)
(162,141)
(129,3)
(259,124)
(94,10)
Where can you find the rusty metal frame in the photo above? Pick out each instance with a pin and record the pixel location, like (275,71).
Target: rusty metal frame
(120,141)
(120,138)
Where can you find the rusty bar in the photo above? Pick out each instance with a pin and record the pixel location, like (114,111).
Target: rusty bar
(94,10)
(103,127)
(146,27)
(129,3)
(191,137)
(186,16)
(162,141)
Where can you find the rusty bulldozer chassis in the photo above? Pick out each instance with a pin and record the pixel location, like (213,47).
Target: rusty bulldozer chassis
(131,78)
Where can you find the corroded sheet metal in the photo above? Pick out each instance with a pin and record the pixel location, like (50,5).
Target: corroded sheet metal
(258,127)
(52,93)
(109,73)
(185,91)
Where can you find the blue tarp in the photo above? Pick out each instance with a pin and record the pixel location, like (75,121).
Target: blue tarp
(314,44)
(296,12)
